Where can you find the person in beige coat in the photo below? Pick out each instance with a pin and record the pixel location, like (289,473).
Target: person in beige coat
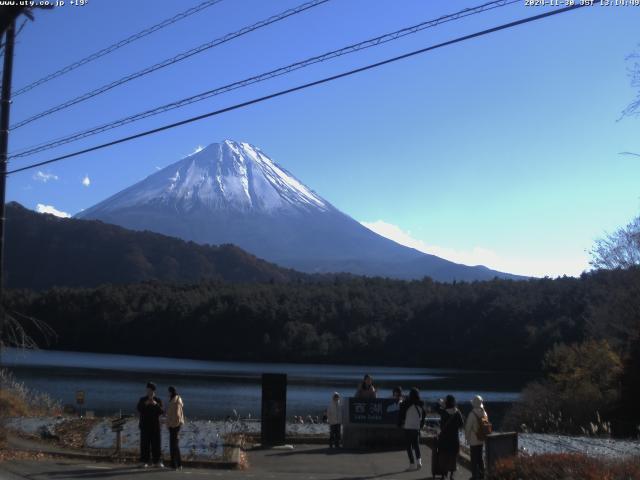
(175,419)
(471,428)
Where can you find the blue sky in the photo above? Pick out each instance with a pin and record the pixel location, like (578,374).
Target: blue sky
(503,151)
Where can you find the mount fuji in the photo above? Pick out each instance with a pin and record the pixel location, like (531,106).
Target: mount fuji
(233,192)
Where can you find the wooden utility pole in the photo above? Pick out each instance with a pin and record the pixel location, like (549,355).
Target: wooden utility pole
(5,106)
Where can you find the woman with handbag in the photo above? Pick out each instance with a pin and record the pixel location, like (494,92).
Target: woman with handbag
(451,422)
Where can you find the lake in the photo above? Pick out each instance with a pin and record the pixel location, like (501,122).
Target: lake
(113,383)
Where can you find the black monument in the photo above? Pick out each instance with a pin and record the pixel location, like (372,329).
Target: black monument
(274,408)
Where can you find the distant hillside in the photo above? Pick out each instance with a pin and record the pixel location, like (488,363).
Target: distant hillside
(42,251)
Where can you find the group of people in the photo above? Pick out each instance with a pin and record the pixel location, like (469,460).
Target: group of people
(412,414)
(150,410)
(476,428)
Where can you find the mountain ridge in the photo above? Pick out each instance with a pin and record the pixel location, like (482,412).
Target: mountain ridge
(43,251)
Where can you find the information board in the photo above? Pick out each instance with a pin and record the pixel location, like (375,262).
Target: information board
(375,411)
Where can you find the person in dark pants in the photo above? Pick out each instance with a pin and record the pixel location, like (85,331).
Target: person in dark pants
(451,422)
(150,410)
(473,432)
(334,418)
(175,419)
(411,419)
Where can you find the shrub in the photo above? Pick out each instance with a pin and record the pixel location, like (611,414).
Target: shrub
(566,467)
(578,396)
(12,405)
(18,400)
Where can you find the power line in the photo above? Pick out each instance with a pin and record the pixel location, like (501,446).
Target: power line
(117,45)
(305,86)
(170,61)
(264,76)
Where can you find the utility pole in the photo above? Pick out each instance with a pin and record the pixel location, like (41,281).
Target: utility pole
(5,106)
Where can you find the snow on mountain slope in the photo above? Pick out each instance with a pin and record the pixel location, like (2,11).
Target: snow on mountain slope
(227,175)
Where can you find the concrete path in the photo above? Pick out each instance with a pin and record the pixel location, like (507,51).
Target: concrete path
(304,462)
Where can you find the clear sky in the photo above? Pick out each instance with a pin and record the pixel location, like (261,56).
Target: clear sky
(503,151)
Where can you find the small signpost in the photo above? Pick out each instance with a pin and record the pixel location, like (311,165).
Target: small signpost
(117,425)
(80,397)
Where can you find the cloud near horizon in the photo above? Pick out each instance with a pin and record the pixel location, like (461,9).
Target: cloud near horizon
(479,255)
(42,208)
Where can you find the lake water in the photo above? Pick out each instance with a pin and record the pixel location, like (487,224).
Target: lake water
(113,383)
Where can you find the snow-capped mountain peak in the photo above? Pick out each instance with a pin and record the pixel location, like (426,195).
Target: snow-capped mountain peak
(228,175)
(232,192)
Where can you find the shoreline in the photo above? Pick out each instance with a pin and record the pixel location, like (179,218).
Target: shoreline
(206,439)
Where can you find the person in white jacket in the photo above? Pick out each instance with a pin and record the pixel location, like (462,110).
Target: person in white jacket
(334,418)
(411,419)
(476,444)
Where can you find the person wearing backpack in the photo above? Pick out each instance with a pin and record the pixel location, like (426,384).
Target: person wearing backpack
(411,419)
(477,429)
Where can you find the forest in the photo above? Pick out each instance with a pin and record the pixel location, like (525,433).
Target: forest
(498,325)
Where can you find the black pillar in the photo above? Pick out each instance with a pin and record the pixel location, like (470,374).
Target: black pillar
(274,408)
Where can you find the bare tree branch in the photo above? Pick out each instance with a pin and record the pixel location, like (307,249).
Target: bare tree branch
(620,249)
(633,109)
(17,328)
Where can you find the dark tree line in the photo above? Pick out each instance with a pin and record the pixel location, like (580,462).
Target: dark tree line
(499,324)
(43,251)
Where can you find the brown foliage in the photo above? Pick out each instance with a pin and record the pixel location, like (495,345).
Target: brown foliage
(566,467)
(582,384)
(12,405)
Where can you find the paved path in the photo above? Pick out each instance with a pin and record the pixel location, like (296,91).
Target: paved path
(305,462)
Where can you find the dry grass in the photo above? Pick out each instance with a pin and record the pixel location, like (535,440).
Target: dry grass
(23,401)
(12,404)
(7,455)
(566,467)
(73,432)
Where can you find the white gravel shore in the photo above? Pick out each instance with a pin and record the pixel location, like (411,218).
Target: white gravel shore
(206,439)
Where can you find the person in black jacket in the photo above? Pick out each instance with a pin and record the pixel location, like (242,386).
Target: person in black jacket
(150,410)
(451,422)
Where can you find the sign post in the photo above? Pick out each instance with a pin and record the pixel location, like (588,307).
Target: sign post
(117,425)
(80,397)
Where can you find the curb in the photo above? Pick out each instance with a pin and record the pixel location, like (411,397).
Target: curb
(125,458)
(229,465)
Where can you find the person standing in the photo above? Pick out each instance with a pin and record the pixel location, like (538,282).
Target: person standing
(366,390)
(150,410)
(476,429)
(334,417)
(411,419)
(451,422)
(175,419)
